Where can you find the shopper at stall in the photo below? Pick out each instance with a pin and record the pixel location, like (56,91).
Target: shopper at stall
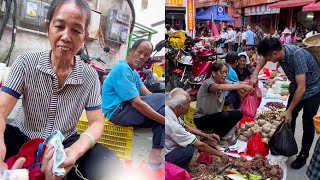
(249,53)
(209,113)
(314,30)
(231,40)
(286,37)
(242,71)
(180,139)
(127,102)
(250,37)
(55,88)
(304,73)
(276,34)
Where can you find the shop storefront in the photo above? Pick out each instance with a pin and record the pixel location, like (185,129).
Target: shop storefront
(175,13)
(291,14)
(262,16)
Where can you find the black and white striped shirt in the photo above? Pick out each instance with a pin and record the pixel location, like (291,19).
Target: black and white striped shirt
(45,107)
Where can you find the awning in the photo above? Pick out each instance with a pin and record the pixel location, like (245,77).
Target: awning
(311,7)
(200,12)
(290,3)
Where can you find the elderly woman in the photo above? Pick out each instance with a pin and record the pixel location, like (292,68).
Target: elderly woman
(209,113)
(56,87)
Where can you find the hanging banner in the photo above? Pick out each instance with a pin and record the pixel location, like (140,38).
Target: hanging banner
(260,10)
(174,3)
(190,15)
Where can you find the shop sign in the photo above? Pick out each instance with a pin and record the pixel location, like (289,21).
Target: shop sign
(174,3)
(190,15)
(260,10)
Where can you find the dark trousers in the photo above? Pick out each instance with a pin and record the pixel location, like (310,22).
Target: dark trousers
(126,115)
(181,156)
(220,123)
(310,108)
(97,163)
(233,98)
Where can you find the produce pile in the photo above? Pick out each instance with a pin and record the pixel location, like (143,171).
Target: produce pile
(265,124)
(277,105)
(256,169)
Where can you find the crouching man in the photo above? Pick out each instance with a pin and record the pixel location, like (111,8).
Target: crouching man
(180,139)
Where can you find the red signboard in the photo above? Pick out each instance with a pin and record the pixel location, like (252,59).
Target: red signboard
(190,15)
(174,3)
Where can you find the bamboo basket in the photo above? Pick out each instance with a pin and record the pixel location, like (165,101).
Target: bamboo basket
(312,44)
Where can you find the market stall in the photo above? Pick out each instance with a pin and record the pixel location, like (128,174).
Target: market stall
(248,161)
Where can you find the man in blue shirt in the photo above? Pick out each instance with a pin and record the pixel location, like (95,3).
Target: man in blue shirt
(304,73)
(250,37)
(232,97)
(127,102)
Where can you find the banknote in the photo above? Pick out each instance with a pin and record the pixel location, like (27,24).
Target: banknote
(59,155)
(17,174)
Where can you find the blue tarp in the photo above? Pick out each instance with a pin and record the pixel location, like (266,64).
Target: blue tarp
(218,13)
(199,12)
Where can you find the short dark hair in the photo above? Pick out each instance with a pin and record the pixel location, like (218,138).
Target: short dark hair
(217,66)
(268,45)
(168,27)
(83,5)
(250,48)
(231,57)
(137,43)
(230,26)
(242,56)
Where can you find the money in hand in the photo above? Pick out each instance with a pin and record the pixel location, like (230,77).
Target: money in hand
(59,156)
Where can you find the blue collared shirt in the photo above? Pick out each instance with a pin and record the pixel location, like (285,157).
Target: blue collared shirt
(299,61)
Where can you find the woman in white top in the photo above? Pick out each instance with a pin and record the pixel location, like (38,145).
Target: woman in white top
(314,30)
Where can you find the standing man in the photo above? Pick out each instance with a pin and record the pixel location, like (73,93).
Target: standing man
(231,38)
(127,102)
(180,139)
(304,73)
(250,36)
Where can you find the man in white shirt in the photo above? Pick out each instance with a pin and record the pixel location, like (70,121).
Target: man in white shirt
(180,139)
(231,38)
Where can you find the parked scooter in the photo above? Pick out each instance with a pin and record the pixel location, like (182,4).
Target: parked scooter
(181,72)
(201,69)
(89,60)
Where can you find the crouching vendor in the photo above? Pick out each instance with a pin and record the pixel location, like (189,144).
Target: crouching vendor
(180,139)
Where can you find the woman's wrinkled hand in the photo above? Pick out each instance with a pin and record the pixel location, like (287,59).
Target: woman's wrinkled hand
(47,164)
(70,161)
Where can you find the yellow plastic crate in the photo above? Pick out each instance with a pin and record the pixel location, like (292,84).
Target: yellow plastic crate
(157,69)
(188,118)
(116,138)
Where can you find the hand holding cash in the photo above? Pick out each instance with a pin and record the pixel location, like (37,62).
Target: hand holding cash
(54,154)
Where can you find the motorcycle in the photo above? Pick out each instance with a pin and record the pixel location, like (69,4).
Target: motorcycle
(89,60)
(201,69)
(180,74)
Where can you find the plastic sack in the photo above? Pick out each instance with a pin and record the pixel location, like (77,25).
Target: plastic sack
(29,151)
(245,120)
(257,146)
(282,141)
(174,172)
(251,103)
(205,159)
